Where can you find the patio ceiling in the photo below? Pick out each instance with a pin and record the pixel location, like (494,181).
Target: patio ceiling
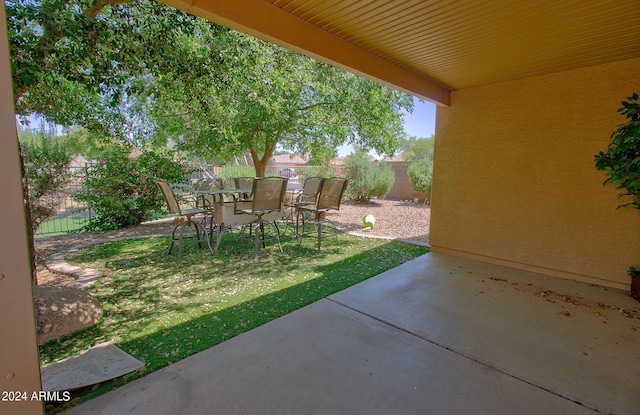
(432,47)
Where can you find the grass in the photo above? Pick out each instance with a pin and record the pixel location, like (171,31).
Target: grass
(60,226)
(161,311)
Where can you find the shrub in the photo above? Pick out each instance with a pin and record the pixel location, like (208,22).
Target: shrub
(367,178)
(420,172)
(122,192)
(46,163)
(621,162)
(325,171)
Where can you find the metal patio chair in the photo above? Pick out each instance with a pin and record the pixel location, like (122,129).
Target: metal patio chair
(244,183)
(329,198)
(310,191)
(204,200)
(307,196)
(184,218)
(266,205)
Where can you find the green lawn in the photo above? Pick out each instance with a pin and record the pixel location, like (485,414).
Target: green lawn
(161,311)
(60,226)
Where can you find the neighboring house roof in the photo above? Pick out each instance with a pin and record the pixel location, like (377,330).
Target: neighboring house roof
(338,161)
(288,160)
(398,158)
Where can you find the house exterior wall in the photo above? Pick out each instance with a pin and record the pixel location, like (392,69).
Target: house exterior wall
(515,182)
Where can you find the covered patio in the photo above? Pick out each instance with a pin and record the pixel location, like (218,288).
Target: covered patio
(438,335)
(500,317)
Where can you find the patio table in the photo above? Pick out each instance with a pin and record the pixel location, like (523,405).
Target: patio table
(223,212)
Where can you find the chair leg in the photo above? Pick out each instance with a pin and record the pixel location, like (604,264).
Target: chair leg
(173,238)
(195,225)
(256,240)
(275,224)
(201,231)
(181,240)
(220,233)
(204,233)
(319,234)
(264,244)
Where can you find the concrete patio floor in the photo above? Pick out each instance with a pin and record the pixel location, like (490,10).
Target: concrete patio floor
(437,335)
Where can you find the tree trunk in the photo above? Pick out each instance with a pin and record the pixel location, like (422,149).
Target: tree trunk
(260,164)
(260,168)
(27,212)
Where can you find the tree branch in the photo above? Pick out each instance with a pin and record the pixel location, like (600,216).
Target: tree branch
(308,107)
(94,10)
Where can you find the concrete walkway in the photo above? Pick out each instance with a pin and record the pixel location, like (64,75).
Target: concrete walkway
(437,335)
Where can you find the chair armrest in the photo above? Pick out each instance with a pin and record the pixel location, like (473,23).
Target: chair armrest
(187,199)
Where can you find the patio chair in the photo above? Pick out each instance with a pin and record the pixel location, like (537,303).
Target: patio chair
(310,191)
(293,199)
(266,205)
(185,217)
(329,198)
(206,201)
(244,183)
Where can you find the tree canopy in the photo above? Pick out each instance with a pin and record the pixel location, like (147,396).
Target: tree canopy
(414,148)
(147,74)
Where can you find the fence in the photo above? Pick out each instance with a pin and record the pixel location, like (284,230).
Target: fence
(69,214)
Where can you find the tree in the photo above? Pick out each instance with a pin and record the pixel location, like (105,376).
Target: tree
(414,148)
(144,73)
(419,151)
(273,97)
(46,163)
(82,62)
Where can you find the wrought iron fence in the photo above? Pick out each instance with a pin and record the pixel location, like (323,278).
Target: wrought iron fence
(70,214)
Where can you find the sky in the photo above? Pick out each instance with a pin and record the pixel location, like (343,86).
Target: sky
(420,123)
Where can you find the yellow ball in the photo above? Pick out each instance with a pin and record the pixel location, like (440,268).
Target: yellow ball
(369,221)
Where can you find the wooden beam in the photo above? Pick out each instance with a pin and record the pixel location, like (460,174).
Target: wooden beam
(265,21)
(19,363)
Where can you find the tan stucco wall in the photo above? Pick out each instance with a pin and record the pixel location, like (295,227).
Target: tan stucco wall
(514,176)
(402,188)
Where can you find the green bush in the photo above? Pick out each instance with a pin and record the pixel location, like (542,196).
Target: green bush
(420,173)
(621,162)
(122,192)
(367,179)
(325,171)
(46,163)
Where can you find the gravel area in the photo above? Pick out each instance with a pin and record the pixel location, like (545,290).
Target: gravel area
(394,220)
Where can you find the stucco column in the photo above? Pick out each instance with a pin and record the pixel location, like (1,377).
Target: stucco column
(19,364)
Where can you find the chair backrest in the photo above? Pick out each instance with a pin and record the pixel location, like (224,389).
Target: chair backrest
(310,190)
(206,183)
(331,193)
(268,194)
(243,182)
(169,196)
